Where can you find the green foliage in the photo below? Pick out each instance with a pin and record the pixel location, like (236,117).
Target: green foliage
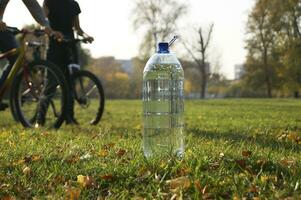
(273,44)
(234,149)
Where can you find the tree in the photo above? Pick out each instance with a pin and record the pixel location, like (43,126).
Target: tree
(159,18)
(198,53)
(262,27)
(289,42)
(115,80)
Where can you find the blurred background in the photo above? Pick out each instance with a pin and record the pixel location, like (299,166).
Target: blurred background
(235,48)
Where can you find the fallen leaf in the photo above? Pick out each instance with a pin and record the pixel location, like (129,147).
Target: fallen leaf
(19,162)
(264,178)
(121,152)
(103,153)
(26,170)
(184,171)
(181,182)
(73,159)
(108,146)
(198,186)
(293,137)
(107,177)
(73,193)
(288,163)
(28,159)
(246,153)
(241,163)
(86,181)
(253,189)
(8,197)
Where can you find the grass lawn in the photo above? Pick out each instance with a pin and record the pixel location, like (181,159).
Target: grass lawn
(235,149)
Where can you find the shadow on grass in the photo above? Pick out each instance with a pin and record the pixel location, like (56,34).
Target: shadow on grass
(262,140)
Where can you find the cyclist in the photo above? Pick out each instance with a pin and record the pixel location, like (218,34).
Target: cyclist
(63,16)
(8,41)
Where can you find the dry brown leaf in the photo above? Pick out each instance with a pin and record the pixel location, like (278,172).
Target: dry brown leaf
(73,159)
(241,163)
(181,182)
(246,153)
(8,197)
(121,152)
(184,171)
(288,163)
(294,137)
(73,193)
(198,186)
(253,189)
(108,146)
(107,177)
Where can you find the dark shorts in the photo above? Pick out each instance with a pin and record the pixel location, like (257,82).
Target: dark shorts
(7,42)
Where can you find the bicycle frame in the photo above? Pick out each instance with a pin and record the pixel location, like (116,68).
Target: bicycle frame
(16,67)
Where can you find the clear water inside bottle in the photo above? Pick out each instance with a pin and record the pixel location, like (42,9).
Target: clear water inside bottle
(163,107)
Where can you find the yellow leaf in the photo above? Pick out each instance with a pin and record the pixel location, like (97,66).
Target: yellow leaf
(103,153)
(181,182)
(246,153)
(85,181)
(264,178)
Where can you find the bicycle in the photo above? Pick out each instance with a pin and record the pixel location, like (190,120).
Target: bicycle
(88,92)
(30,84)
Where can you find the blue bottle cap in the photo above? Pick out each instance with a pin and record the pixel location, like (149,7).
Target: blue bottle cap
(163,47)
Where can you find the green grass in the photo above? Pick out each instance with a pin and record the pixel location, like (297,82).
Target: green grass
(234,149)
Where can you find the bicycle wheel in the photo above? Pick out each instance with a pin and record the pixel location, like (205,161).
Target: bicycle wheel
(89,98)
(39,96)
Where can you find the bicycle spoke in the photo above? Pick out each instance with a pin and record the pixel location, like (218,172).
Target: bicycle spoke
(91,90)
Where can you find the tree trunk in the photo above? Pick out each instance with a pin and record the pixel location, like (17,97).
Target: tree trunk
(267,75)
(204,77)
(204,83)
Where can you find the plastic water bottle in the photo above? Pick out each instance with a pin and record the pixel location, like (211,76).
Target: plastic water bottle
(163,105)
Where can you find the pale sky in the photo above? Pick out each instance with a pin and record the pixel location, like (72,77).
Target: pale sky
(109,23)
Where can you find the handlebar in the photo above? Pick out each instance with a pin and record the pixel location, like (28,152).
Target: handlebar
(15,31)
(77,40)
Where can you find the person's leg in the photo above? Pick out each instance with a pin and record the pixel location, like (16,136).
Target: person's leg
(7,42)
(59,54)
(53,55)
(72,55)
